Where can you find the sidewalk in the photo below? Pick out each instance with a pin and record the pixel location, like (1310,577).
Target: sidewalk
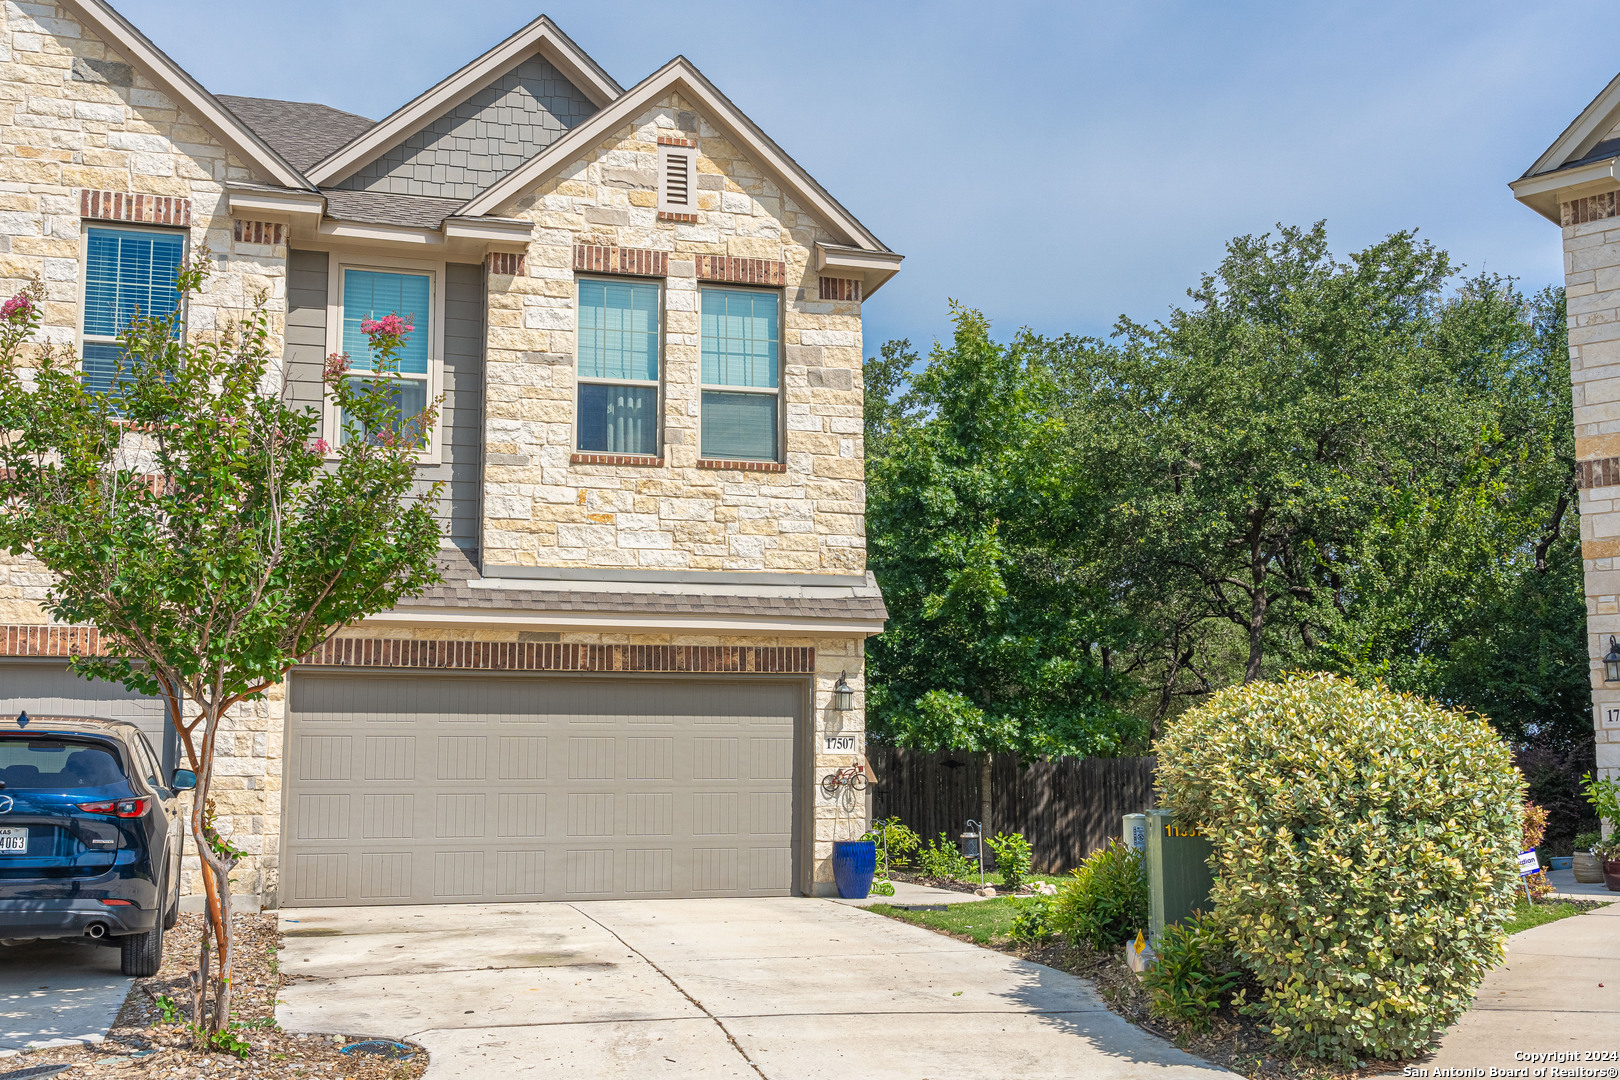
(1564,884)
(907,895)
(1558,991)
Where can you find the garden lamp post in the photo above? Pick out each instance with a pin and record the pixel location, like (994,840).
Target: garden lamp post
(1611,661)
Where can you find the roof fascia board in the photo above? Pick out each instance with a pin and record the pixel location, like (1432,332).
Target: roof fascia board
(614,622)
(875,267)
(501,231)
(179,85)
(679,74)
(257,200)
(541,36)
(1583,133)
(386,234)
(1543,193)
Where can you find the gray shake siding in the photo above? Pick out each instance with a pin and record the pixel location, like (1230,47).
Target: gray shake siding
(463,379)
(482,139)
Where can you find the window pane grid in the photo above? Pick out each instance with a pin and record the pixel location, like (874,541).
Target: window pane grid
(129,273)
(371,294)
(618,330)
(740,338)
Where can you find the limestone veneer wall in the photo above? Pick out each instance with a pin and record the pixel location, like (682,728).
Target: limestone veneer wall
(543,510)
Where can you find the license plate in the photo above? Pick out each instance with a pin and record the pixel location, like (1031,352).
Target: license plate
(13,840)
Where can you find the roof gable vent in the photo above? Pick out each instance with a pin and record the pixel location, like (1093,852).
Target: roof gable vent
(677,179)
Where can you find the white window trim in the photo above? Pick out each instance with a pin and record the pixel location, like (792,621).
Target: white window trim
(433,453)
(781,419)
(85,225)
(665,154)
(657,384)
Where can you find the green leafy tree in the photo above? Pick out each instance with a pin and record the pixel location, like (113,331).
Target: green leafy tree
(995,641)
(191,515)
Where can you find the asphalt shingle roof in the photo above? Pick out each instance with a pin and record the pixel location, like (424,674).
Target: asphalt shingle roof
(303,132)
(382,208)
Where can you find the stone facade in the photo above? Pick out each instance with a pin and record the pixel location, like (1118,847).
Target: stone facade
(86,135)
(1592,285)
(74,116)
(542,508)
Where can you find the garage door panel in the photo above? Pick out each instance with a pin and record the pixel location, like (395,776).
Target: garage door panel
(53,689)
(445,789)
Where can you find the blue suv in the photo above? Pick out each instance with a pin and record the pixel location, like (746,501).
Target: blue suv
(90,836)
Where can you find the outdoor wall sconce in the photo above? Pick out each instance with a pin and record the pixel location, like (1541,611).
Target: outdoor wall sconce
(1611,661)
(844,697)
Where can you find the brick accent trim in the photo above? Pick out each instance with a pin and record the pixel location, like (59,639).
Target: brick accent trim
(257,232)
(741,271)
(670,215)
(749,466)
(838,288)
(1599,472)
(637,262)
(127,206)
(69,641)
(617,459)
(1592,208)
(514,263)
(673,140)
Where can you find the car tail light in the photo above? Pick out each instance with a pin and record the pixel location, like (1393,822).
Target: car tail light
(118,903)
(116,807)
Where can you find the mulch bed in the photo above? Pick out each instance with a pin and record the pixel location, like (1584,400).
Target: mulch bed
(142,1044)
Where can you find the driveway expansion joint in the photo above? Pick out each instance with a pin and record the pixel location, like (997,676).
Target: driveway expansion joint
(730,1038)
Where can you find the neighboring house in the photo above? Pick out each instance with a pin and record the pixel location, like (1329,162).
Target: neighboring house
(1576,184)
(644,319)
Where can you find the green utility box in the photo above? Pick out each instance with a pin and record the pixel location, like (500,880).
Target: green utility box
(1179,879)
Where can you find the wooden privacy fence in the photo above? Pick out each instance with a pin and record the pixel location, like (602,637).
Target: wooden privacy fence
(1066,807)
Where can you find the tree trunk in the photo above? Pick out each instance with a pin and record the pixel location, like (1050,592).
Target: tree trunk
(1257,625)
(985,773)
(216,873)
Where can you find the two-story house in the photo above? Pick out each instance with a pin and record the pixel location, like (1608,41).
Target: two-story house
(644,321)
(1575,184)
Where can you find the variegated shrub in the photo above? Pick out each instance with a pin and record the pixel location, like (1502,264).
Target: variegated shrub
(1365,847)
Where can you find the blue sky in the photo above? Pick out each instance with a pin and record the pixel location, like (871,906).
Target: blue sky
(1055,165)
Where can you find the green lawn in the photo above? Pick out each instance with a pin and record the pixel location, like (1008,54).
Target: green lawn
(981,920)
(1526,915)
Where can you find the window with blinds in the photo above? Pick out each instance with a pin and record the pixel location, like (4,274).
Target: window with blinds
(372,294)
(128,273)
(617,367)
(741,385)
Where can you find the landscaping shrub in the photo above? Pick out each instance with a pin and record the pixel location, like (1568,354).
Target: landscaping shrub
(1365,849)
(1033,923)
(940,859)
(1586,841)
(1105,900)
(894,840)
(1014,857)
(1535,827)
(1193,975)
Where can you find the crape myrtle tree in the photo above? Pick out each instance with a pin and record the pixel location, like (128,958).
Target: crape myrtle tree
(998,624)
(193,516)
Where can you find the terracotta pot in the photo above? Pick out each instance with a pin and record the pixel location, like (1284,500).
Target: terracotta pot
(1588,868)
(1611,874)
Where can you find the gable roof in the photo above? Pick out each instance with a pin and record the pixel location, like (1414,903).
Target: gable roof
(1580,161)
(681,75)
(187,92)
(303,132)
(540,36)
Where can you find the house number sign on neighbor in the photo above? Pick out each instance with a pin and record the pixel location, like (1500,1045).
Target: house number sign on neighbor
(838,744)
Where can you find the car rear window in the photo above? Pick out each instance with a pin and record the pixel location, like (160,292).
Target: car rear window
(55,764)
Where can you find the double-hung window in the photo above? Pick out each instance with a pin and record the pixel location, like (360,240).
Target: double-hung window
(618,367)
(741,382)
(372,294)
(127,272)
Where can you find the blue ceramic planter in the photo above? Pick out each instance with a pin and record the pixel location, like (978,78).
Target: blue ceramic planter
(1561,862)
(854,863)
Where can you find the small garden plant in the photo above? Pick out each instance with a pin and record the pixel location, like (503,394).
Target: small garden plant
(1014,858)
(941,859)
(1105,901)
(1194,975)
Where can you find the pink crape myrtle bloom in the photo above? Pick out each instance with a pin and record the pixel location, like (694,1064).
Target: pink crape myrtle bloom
(319,446)
(17,309)
(387,326)
(336,365)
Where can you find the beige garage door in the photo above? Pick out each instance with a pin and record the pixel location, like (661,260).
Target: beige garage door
(46,688)
(450,789)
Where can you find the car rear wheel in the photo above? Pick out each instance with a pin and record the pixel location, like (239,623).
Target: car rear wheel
(142,954)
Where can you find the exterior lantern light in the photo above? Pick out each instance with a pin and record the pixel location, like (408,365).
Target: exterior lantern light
(844,697)
(1611,662)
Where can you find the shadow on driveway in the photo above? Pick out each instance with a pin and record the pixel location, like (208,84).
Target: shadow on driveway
(54,993)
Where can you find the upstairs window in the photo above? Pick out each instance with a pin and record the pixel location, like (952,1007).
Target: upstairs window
(371,294)
(127,272)
(741,384)
(617,367)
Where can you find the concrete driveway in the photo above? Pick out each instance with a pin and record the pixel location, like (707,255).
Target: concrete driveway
(54,993)
(699,988)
